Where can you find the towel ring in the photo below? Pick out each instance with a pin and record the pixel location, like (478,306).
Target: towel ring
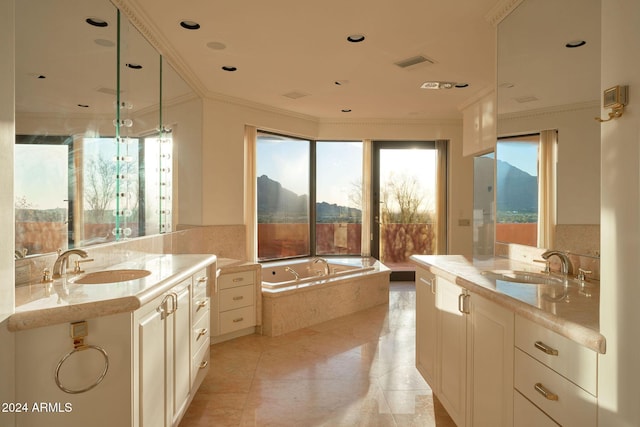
(78,348)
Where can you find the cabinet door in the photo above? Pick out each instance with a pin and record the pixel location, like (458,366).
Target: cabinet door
(426,328)
(151,344)
(452,350)
(181,354)
(490,348)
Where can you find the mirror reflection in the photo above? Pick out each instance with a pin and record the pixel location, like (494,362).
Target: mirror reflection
(93,159)
(548,89)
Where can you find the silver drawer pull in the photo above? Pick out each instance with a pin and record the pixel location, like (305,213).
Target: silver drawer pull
(238,279)
(238,298)
(202,332)
(546,393)
(202,279)
(203,364)
(546,349)
(202,303)
(239,319)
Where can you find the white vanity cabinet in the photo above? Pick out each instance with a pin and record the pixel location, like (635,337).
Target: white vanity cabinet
(162,334)
(555,378)
(234,308)
(466,356)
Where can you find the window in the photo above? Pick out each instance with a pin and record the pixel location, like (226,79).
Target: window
(517,190)
(283,170)
(294,174)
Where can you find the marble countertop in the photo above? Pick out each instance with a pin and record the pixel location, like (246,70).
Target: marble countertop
(573,313)
(61,301)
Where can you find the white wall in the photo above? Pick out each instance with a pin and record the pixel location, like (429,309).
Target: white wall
(7,133)
(578,198)
(223,157)
(619,372)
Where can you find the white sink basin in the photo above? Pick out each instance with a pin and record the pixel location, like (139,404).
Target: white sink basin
(528,277)
(110,276)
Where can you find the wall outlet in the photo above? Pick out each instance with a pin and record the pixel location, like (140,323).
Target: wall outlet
(464,222)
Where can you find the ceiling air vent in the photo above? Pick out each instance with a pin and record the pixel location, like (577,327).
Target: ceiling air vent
(524,99)
(413,61)
(295,95)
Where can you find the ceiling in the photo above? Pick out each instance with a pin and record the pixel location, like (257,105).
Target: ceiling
(294,55)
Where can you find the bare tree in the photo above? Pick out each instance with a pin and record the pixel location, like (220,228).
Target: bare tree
(405,214)
(100,186)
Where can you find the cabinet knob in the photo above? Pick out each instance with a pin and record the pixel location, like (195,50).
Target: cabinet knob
(238,320)
(202,279)
(202,332)
(202,303)
(203,364)
(238,298)
(238,279)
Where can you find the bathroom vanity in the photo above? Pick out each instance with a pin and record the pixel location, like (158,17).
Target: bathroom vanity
(505,353)
(129,353)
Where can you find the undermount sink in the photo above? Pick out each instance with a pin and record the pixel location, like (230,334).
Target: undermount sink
(110,276)
(528,277)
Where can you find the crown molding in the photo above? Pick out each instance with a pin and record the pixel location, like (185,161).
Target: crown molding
(501,10)
(567,108)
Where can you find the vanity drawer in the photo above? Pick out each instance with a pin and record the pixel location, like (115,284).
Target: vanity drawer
(561,399)
(200,332)
(200,281)
(568,358)
(200,307)
(233,298)
(200,364)
(234,320)
(526,414)
(231,280)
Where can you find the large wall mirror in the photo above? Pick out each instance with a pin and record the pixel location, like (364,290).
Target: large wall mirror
(94,142)
(548,89)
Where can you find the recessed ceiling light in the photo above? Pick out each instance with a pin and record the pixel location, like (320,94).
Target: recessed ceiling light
(190,25)
(104,43)
(355,38)
(346,110)
(575,43)
(216,45)
(40,76)
(134,66)
(461,85)
(341,82)
(96,22)
(229,68)
(83,106)
(506,85)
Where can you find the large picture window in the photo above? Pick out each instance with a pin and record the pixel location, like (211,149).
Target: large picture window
(294,174)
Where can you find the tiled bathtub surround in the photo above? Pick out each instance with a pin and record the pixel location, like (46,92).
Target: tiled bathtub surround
(285,310)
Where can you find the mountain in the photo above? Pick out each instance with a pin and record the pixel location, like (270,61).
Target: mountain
(517,190)
(277,203)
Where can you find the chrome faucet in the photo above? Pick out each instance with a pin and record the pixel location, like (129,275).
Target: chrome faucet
(292,271)
(565,262)
(326,264)
(62,262)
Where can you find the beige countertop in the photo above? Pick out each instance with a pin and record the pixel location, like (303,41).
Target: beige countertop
(572,312)
(61,301)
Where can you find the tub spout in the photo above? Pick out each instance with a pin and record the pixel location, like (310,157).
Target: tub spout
(292,271)
(326,264)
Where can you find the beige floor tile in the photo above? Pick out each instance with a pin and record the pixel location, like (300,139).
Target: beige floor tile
(358,370)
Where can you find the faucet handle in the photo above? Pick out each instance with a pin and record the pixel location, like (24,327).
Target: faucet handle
(582,274)
(76,265)
(546,264)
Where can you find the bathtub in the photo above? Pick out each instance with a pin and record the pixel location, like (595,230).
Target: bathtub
(301,272)
(290,303)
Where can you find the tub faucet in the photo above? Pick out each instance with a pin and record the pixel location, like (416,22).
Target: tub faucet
(292,271)
(62,262)
(326,264)
(565,262)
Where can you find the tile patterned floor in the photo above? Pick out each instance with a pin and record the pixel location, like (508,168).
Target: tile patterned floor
(358,370)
